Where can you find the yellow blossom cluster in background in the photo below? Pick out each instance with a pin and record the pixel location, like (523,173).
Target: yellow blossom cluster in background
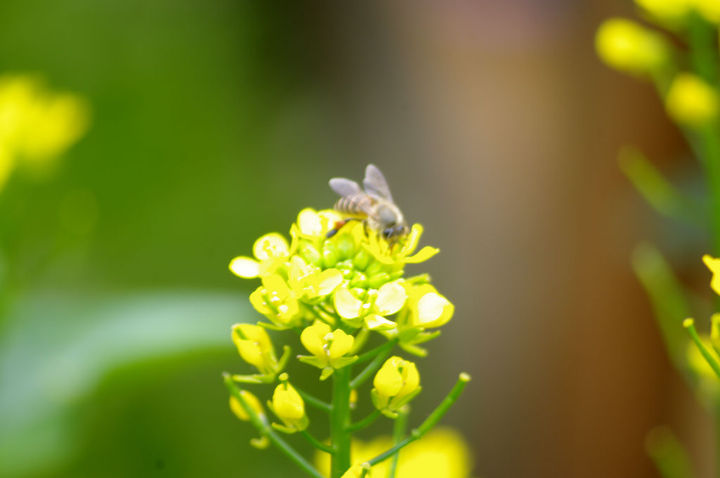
(36,124)
(442,453)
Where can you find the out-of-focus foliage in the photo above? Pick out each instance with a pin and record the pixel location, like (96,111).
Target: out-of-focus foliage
(114,297)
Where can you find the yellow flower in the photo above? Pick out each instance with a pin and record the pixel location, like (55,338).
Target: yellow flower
(268,251)
(373,307)
(328,347)
(309,281)
(626,46)
(442,453)
(289,407)
(386,253)
(36,125)
(277,302)
(714,265)
(395,384)
(710,9)
(251,400)
(691,102)
(255,347)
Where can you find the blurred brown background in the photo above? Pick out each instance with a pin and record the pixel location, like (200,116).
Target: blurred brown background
(500,129)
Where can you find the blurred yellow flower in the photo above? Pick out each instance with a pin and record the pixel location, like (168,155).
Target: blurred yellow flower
(670,13)
(442,453)
(36,125)
(627,46)
(251,400)
(254,345)
(714,265)
(691,101)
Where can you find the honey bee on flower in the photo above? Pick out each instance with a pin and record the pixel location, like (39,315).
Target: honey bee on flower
(374,205)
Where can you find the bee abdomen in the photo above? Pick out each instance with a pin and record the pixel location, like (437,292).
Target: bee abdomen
(355,205)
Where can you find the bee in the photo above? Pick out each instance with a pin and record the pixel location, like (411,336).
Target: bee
(374,205)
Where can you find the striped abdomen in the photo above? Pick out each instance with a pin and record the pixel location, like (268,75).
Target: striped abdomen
(357,205)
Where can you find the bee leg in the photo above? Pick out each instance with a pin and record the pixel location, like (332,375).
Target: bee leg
(338,226)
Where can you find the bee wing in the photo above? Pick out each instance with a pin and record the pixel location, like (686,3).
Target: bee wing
(345,187)
(375,183)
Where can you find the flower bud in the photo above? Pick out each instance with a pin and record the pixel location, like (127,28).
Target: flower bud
(627,46)
(255,347)
(250,400)
(326,346)
(691,101)
(289,407)
(396,383)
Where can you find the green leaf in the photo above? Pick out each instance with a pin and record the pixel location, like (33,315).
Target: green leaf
(56,349)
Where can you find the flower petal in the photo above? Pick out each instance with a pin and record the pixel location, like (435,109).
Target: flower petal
(714,265)
(245,267)
(341,344)
(378,322)
(424,254)
(433,310)
(310,223)
(269,246)
(346,304)
(391,298)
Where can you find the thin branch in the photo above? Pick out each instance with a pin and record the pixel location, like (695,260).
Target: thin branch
(315,402)
(398,432)
(317,443)
(381,354)
(373,352)
(689,325)
(265,430)
(429,422)
(365,422)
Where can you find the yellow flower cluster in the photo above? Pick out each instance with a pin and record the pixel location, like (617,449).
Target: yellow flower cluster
(632,48)
(442,453)
(336,283)
(36,125)
(676,13)
(355,276)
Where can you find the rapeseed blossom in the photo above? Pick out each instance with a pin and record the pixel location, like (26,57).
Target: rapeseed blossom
(36,124)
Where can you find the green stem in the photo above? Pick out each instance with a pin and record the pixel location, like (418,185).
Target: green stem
(339,422)
(379,349)
(315,402)
(265,430)
(429,422)
(317,443)
(398,431)
(365,422)
(689,324)
(382,354)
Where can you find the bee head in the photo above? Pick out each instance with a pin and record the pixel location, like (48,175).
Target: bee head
(395,231)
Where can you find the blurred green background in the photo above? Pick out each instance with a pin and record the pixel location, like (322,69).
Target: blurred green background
(214,122)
